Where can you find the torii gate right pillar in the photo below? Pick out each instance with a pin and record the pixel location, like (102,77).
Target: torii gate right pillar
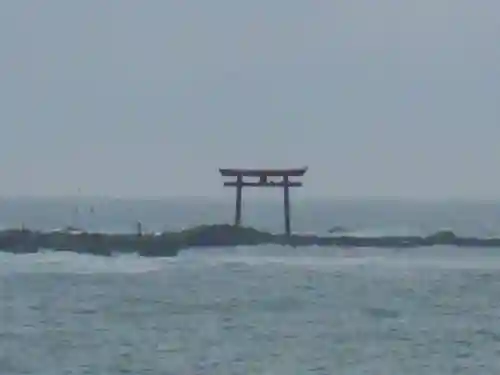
(286,205)
(239,191)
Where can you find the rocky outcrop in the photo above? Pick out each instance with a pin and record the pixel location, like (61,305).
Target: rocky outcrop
(170,243)
(338,229)
(220,235)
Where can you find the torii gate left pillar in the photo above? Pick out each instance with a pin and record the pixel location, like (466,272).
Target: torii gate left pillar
(263,175)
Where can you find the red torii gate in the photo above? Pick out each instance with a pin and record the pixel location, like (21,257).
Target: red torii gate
(263,175)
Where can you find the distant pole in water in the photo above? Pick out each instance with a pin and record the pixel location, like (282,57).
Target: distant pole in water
(139,229)
(75,211)
(92,218)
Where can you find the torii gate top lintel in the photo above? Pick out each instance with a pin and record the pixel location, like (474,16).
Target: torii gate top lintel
(295,172)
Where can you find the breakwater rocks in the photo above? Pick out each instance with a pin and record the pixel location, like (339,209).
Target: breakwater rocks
(105,244)
(169,244)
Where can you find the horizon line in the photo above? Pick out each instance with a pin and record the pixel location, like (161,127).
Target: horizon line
(217,198)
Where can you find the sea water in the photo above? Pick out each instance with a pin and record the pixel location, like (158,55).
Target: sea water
(255,310)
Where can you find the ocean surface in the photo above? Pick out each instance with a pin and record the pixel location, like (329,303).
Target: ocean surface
(253,310)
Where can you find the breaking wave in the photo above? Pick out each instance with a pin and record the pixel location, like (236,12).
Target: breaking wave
(69,262)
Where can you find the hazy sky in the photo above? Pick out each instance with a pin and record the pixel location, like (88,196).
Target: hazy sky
(126,97)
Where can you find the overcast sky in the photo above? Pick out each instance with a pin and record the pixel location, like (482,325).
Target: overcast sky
(148,98)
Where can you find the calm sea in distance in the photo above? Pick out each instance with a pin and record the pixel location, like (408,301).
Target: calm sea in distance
(253,310)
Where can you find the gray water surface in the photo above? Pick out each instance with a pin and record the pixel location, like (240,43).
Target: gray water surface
(268,310)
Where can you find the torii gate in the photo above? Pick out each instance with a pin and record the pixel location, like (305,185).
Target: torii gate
(262,175)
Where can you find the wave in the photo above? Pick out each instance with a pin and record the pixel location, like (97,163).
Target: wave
(364,264)
(381,231)
(385,231)
(321,259)
(69,262)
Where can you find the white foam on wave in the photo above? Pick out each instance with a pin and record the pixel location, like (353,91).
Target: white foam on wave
(332,261)
(312,258)
(383,231)
(68,262)
(369,232)
(443,263)
(360,263)
(335,259)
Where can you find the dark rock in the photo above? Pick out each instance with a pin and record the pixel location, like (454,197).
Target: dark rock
(170,243)
(442,237)
(338,229)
